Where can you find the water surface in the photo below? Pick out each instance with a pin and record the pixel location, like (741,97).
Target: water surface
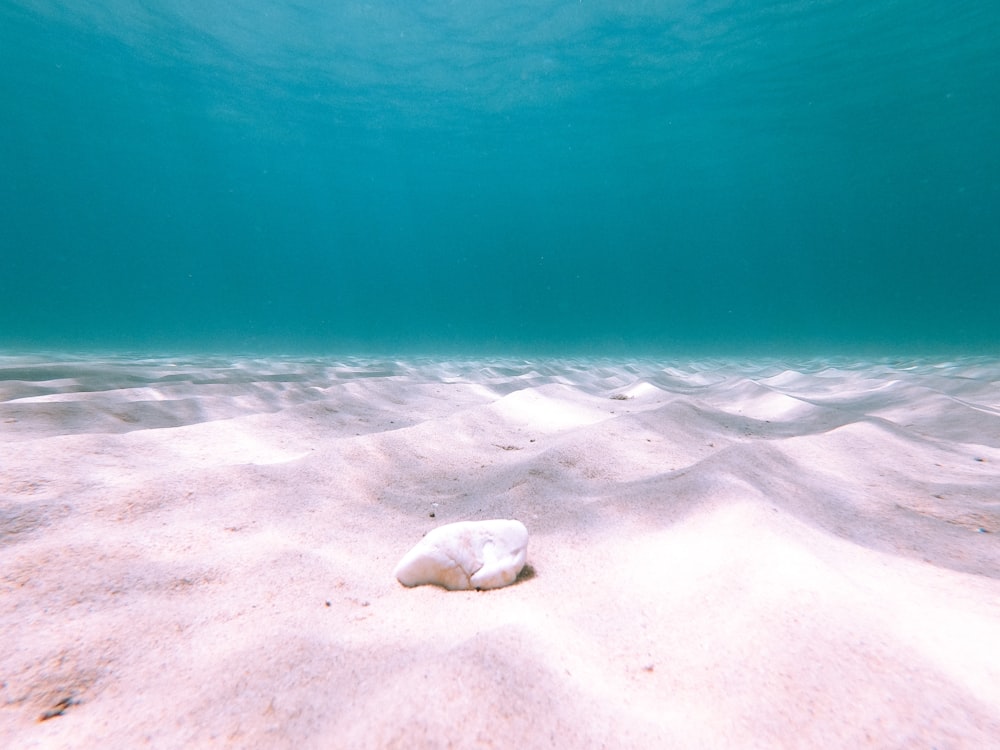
(554,177)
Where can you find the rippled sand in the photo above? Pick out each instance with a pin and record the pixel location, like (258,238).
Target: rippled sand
(198,552)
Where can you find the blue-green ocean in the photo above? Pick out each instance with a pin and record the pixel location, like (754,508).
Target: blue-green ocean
(581,176)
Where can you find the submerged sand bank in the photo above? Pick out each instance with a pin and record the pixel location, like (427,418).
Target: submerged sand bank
(199,552)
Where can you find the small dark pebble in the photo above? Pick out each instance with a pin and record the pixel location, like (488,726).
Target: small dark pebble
(432,514)
(59,708)
(328,604)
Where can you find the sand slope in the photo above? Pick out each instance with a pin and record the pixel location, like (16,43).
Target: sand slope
(198,552)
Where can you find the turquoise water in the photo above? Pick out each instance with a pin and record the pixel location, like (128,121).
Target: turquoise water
(512,176)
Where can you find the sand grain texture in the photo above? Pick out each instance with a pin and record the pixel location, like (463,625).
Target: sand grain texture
(199,551)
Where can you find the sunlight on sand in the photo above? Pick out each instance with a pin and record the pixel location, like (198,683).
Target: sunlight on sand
(198,551)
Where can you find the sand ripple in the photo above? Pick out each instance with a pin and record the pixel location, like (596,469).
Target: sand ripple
(198,551)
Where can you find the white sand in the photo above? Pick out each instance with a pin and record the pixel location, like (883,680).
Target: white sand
(199,552)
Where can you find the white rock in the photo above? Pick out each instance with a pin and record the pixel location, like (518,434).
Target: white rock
(467,555)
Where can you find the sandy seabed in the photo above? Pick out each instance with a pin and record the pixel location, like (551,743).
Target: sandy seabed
(198,552)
